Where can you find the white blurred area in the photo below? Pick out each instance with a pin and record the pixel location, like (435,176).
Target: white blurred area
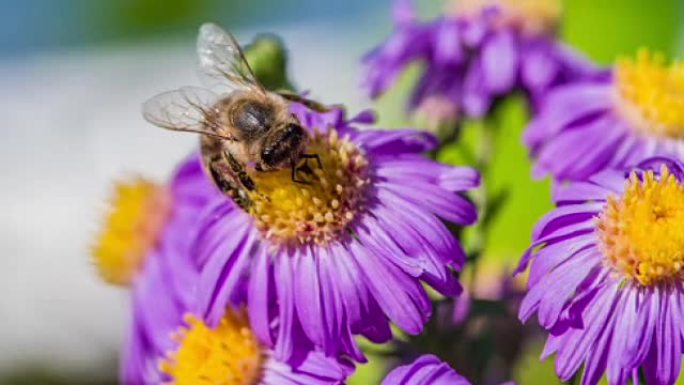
(71,124)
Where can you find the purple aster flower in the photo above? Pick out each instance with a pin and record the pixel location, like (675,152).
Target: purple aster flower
(344,254)
(426,370)
(168,344)
(483,51)
(606,276)
(635,112)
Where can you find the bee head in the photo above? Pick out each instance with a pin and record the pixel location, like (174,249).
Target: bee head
(283,146)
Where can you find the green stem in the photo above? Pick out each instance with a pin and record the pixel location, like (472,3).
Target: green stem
(484,154)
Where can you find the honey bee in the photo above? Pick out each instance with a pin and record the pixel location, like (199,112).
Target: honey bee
(246,127)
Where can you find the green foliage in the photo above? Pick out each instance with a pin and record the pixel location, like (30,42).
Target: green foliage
(604,29)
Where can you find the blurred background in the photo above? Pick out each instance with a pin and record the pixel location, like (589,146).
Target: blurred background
(73,74)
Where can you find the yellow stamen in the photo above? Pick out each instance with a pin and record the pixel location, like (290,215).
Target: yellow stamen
(533,17)
(642,232)
(226,355)
(320,209)
(650,94)
(135,220)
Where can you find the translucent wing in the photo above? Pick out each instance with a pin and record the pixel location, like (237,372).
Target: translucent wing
(221,58)
(186,109)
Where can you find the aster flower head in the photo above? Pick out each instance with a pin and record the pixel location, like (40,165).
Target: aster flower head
(319,262)
(606,275)
(146,219)
(167,343)
(135,221)
(634,112)
(479,52)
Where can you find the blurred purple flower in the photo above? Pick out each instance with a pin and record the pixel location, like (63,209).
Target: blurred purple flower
(163,289)
(606,278)
(610,121)
(163,297)
(317,268)
(472,58)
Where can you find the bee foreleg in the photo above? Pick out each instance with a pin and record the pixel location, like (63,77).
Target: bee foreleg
(314,156)
(242,175)
(294,175)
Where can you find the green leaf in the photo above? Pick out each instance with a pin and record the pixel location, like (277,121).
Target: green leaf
(604,29)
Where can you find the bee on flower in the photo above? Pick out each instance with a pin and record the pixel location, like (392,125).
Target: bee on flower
(346,254)
(325,232)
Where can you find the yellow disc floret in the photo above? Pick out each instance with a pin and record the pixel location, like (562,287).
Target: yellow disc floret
(319,207)
(533,17)
(642,232)
(650,94)
(226,355)
(138,213)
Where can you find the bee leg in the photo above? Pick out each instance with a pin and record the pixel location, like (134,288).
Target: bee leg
(237,168)
(294,175)
(314,156)
(219,170)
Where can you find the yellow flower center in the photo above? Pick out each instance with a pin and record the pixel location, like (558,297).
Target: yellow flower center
(226,355)
(534,17)
(642,232)
(138,213)
(319,207)
(650,94)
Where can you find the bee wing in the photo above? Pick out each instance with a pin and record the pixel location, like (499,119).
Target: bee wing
(186,109)
(222,58)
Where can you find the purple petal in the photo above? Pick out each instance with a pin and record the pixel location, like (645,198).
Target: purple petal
(261,289)
(396,141)
(442,203)
(400,297)
(308,298)
(426,370)
(284,271)
(447,45)
(565,106)
(500,62)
